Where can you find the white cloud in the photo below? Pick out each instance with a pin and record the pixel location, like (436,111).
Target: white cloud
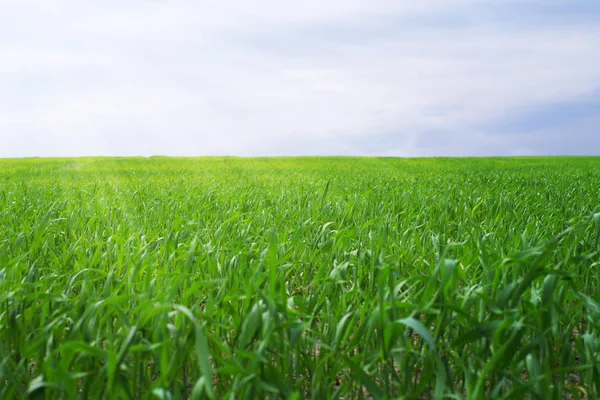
(246,78)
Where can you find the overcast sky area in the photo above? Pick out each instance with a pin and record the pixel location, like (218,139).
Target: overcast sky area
(310,77)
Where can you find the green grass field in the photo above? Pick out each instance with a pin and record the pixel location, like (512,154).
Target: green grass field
(299,278)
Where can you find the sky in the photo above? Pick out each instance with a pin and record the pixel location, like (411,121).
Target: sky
(311,77)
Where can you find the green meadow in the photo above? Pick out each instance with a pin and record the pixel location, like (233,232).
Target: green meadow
(300,278)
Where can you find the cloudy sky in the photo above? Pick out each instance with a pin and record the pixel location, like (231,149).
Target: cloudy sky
(310,77)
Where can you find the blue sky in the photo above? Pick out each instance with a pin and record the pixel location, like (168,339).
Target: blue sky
(267,77)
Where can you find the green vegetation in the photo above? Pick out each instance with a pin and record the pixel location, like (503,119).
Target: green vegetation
(300,278)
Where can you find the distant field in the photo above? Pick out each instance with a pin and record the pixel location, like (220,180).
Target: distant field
(300,278)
